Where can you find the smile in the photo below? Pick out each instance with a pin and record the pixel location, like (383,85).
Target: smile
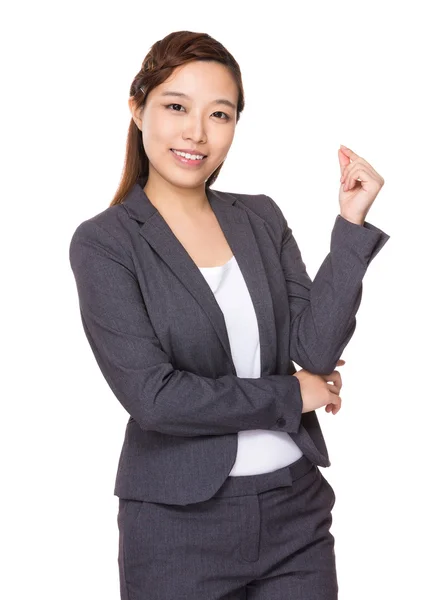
(188,159)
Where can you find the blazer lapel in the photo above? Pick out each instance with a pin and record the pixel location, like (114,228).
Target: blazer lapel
(235,223)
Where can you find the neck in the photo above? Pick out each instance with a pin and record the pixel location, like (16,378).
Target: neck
(171,200)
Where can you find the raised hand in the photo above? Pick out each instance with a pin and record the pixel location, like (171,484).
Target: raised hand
(360,185)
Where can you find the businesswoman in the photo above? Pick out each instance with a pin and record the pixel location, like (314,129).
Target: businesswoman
(196,303)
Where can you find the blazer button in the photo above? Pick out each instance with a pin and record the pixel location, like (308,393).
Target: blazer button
(281,422)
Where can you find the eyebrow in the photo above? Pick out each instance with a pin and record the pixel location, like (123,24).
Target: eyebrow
(182,95)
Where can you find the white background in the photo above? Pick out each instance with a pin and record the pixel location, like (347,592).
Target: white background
(316,75)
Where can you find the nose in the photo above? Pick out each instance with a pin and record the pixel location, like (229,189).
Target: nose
(194,129)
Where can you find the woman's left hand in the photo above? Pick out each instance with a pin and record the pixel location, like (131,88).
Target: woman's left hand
(360,185)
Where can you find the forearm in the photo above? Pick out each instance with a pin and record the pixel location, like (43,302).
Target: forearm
(323,328)
(161,398)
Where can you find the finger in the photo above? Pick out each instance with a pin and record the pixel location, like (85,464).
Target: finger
(335,377)
(334,388)
(348,169)
(343,161)
(353,174)
(352,169)
(345,172)
(349,153)
(336,406)
(334,381)
(368,167)
(341,362)
(358,174)
(334,395)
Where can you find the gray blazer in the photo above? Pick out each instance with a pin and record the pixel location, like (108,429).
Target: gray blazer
(160,340)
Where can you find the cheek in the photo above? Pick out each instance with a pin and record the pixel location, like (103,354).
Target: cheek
(157,140)
(227,136)
(158,130)
(224,143)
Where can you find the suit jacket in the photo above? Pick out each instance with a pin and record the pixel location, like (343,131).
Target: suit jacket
(160,340)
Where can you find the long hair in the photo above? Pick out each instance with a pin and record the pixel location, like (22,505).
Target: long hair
(174,50)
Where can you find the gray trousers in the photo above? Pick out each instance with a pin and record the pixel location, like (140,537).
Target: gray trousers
(260,537)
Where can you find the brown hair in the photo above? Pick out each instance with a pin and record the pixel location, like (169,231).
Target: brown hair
(174,50)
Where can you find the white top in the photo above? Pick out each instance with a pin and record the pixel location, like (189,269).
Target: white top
(259,450)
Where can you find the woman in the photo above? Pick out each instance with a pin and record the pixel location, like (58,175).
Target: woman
(195,303)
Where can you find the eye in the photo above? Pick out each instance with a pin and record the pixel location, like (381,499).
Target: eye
(225,118)
(174,105)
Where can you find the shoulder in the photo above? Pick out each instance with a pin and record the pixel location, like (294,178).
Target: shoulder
(107,231)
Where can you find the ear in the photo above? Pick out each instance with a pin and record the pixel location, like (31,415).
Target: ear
(135,112)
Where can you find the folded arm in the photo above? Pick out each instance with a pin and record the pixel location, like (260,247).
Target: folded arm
(140,374)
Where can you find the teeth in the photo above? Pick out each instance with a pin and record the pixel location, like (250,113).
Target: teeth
(191,156)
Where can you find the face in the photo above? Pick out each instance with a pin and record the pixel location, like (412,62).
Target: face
(189,111)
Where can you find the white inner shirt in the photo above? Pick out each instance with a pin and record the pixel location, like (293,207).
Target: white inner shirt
(259,450)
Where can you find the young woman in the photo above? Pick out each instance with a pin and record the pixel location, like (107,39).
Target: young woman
(195,303)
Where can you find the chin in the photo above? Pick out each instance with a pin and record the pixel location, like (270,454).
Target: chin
(187,182)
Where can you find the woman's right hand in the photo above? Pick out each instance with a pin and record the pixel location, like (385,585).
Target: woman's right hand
(317,392)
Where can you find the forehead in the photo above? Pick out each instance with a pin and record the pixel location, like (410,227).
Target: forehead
(200,80)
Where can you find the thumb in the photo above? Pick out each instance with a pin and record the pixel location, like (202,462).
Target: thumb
(343,160)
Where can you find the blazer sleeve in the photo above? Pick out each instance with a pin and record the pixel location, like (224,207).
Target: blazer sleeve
(323,311)
(138,371)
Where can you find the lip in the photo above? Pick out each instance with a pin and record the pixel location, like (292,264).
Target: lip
(187,161)
(189,151)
